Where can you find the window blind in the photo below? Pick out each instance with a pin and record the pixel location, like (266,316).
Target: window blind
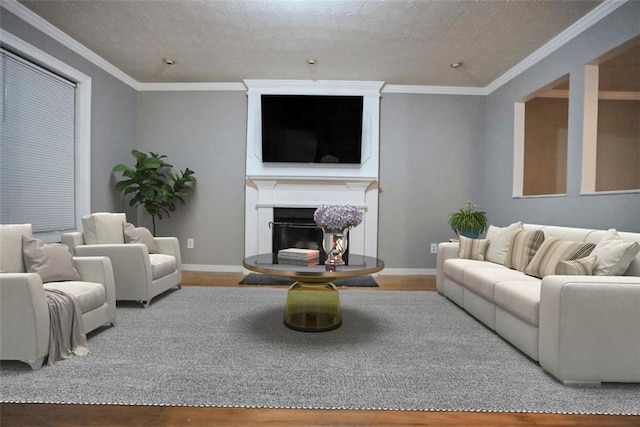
(37,147)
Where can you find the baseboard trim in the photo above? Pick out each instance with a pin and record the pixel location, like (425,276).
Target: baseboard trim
(240,269)
(407,272)
(214,268)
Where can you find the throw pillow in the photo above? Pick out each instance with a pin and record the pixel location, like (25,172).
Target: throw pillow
(472,248)
(578,267)
(103,228)
(52,261)
(523,247)
(613,254)
(499,241)
(554,250)
(133,234)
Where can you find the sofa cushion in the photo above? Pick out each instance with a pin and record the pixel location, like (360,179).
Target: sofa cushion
(554,250)
(89,295)
(11,258)
(133,234)
(161,265)
(103,228)
(454,268)
(578,267)
(500,239)
(472,248)
(520,298)
(51,261)
(523,247)
(613,255)
(483,280)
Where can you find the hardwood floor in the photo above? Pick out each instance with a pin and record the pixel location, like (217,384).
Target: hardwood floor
(115,415)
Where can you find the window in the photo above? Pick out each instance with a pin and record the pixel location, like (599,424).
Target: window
(540,141)
(611,145)
(44,173)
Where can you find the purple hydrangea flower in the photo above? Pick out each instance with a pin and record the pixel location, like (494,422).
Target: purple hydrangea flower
(337,217)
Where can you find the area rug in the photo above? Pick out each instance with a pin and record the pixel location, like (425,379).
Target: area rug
(264,279)
(227,347)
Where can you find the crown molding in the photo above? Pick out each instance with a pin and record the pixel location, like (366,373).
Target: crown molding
(591,18)
(571,32)
(435,90)
(191,87)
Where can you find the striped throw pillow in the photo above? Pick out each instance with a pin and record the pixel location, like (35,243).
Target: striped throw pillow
(523,247)
(554,250)
(579,267)
(472,248)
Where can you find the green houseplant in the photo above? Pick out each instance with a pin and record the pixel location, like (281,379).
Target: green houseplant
(153,184)
(468,221)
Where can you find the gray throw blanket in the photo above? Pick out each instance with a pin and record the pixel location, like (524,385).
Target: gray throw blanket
(66,335)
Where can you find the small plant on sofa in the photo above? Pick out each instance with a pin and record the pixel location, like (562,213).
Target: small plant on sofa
(153,184)
(468,221)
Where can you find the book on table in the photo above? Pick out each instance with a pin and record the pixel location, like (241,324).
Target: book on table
(299,262)
(299,256)
(298,253)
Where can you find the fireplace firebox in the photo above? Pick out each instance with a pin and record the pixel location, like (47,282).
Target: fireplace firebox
(295,228)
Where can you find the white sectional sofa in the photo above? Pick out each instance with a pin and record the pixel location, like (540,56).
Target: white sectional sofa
(581,328)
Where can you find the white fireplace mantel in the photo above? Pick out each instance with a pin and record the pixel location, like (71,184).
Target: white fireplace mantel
(264,193)
(305,186)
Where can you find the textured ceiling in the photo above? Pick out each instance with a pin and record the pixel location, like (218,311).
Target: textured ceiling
(399,42)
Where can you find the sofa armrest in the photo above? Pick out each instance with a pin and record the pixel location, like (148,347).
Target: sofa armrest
(589,328)
(446,250)
(72,240)
(97,270)
(24,318)
(131,267)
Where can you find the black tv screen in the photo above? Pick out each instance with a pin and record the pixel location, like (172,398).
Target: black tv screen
(311,128)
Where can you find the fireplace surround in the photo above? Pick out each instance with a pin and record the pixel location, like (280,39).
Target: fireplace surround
(270,185)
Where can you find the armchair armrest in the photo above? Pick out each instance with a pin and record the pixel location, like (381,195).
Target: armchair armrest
(446,250)
(72,240)
(97,270)
(168,245)
(588,328)
(24,318)
(131,267)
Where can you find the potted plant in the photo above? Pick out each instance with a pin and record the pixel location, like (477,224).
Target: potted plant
(468,221)
(153,184)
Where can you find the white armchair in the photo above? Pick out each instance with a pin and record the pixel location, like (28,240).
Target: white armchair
(139,275)
(24,312)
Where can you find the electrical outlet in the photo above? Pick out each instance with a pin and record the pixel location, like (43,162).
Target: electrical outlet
(190,243)
(434,248)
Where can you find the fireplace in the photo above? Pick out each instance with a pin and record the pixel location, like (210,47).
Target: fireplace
(294,228)
(272,186)
(264,194)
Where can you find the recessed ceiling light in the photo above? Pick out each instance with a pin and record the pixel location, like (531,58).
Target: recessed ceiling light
(168,61)
(456,64)
(311,61)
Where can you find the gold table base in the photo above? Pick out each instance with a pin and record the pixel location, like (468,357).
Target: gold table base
(313,307)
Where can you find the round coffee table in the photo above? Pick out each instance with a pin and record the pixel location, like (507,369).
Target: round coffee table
(313,302)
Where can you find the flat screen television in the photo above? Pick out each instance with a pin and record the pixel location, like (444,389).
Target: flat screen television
(311,128)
